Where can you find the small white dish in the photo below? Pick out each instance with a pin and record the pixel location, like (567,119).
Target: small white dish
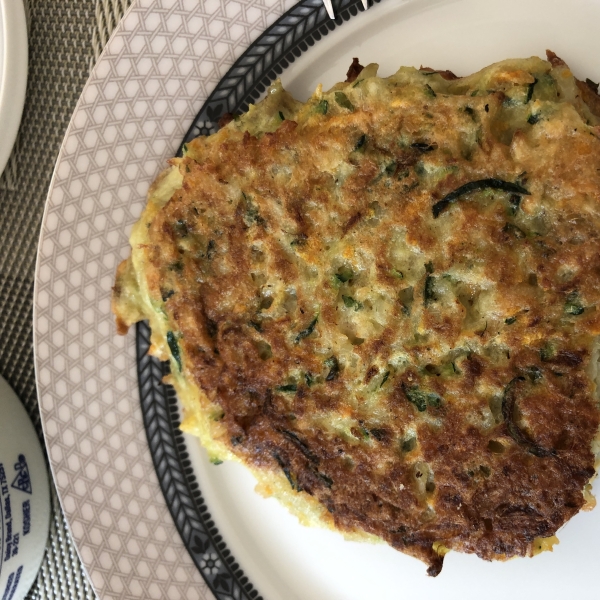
(13,73)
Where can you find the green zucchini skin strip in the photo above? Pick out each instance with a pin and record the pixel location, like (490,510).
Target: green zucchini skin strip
(472,186)
(174,348)
(519,436)
(306,332)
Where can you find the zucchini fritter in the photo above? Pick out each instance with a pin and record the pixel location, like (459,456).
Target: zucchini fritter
(384,301)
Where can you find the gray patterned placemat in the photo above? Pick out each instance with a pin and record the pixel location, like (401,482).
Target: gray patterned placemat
(65,39)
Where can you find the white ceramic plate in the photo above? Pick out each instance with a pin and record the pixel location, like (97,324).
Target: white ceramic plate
(13,73)
(155,75)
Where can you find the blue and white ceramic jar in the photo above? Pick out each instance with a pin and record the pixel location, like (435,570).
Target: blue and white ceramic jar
(24,498)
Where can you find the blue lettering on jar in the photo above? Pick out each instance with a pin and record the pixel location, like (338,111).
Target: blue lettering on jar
(22,481)
(26,517)
(12,584)
(3,481)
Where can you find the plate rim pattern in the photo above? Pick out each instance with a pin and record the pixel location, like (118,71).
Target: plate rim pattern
(265,59)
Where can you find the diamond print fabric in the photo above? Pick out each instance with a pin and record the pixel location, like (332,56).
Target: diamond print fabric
(155,74)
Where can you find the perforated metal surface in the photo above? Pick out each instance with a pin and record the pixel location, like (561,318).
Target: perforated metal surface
(65,39)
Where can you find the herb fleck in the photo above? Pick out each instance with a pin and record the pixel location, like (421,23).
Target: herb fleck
(362,140)
(306,332)
(385,378)
(470,111)
(299,240)
(174,348)
(286,470)
(322,107)
(429,294)
(251,215)
(573,304)
(534,373)
(547,352)
(423,147)
(290,387)
(264,349)
(420,398)
(343,101)
(515,231)
(344,274)
(409,444)
(515,202)
(350,302)
(334,368)
(255,325)
(429,91)
(211,249)
(181,228)
(530,91)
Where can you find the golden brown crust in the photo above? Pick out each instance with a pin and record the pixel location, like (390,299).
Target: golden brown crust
(117,292)
(554,60)
(225,119)
(354,71)
(447,75)
(587,88)
(425,377)
(589,94)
